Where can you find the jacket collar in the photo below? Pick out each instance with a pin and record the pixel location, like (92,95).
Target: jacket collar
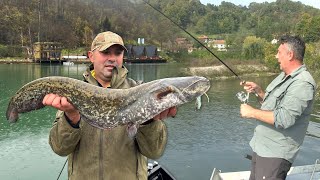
(294,73)
(298,70)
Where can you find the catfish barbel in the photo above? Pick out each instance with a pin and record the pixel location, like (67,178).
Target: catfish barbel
(107,108)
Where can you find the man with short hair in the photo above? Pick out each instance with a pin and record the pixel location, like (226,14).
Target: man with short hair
(284,115)
(105,154)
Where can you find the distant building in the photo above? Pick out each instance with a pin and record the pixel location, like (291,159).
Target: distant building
(182,41)
(142,54)
(190,49)
(274,41)
(140,40)
(203,39)
(183,44)
(47,51)
(219,44)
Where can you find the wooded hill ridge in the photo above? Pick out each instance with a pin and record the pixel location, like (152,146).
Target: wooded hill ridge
(75,22)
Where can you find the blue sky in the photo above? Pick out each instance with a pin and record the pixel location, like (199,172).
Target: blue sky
(314,3)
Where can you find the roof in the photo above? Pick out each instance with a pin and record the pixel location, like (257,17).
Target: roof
(203,37)
(219,41)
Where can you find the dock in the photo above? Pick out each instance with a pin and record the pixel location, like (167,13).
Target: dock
(142,54)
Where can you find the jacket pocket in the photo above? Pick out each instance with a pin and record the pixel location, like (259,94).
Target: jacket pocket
(273,98)
(278,95)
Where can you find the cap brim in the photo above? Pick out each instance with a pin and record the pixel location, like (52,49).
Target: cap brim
(104,47)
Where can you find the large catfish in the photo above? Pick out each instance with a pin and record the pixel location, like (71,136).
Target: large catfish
(107,108)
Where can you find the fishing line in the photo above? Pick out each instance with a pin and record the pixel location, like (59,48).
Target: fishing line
(195,40)
(62,168)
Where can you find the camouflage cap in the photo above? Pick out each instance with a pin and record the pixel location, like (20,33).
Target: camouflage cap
(106,39)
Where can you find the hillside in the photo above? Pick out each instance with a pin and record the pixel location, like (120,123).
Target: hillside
(75,22)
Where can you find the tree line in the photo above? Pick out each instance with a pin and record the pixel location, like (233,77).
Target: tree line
(74,23)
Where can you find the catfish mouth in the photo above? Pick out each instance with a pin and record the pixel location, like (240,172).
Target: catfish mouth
(183,91)
(196,88)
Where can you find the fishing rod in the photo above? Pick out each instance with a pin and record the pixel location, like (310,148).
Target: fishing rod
(195,40)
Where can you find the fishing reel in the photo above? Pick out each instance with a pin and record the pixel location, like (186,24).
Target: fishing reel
(243,97)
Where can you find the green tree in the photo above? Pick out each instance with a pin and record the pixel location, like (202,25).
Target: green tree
(270,51)
(312,56)
(105,24)
(253,47)
(313,34)
(302,27)
(11,21)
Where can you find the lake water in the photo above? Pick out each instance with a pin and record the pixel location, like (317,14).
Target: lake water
(198,141)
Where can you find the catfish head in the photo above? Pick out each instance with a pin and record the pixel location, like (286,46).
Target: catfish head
(152,98)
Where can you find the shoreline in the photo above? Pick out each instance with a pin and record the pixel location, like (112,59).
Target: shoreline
(211,72)
(221,72)
(23,61)
(15,60)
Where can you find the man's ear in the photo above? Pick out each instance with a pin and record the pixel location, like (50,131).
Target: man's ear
(291,55)
(90,55)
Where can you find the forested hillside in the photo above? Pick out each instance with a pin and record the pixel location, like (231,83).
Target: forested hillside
(76,22)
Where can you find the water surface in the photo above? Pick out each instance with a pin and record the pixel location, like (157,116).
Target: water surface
(199,141)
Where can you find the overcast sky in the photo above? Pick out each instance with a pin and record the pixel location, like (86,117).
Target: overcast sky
(314,3)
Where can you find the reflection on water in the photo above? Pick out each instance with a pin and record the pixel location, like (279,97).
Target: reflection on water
(149,72)
(199,140)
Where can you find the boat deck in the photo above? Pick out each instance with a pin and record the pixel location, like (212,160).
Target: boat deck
(307,172)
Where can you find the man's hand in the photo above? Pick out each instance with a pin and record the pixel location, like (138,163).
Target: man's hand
(246,111)
(251,87)
(62,104)
(171,112)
